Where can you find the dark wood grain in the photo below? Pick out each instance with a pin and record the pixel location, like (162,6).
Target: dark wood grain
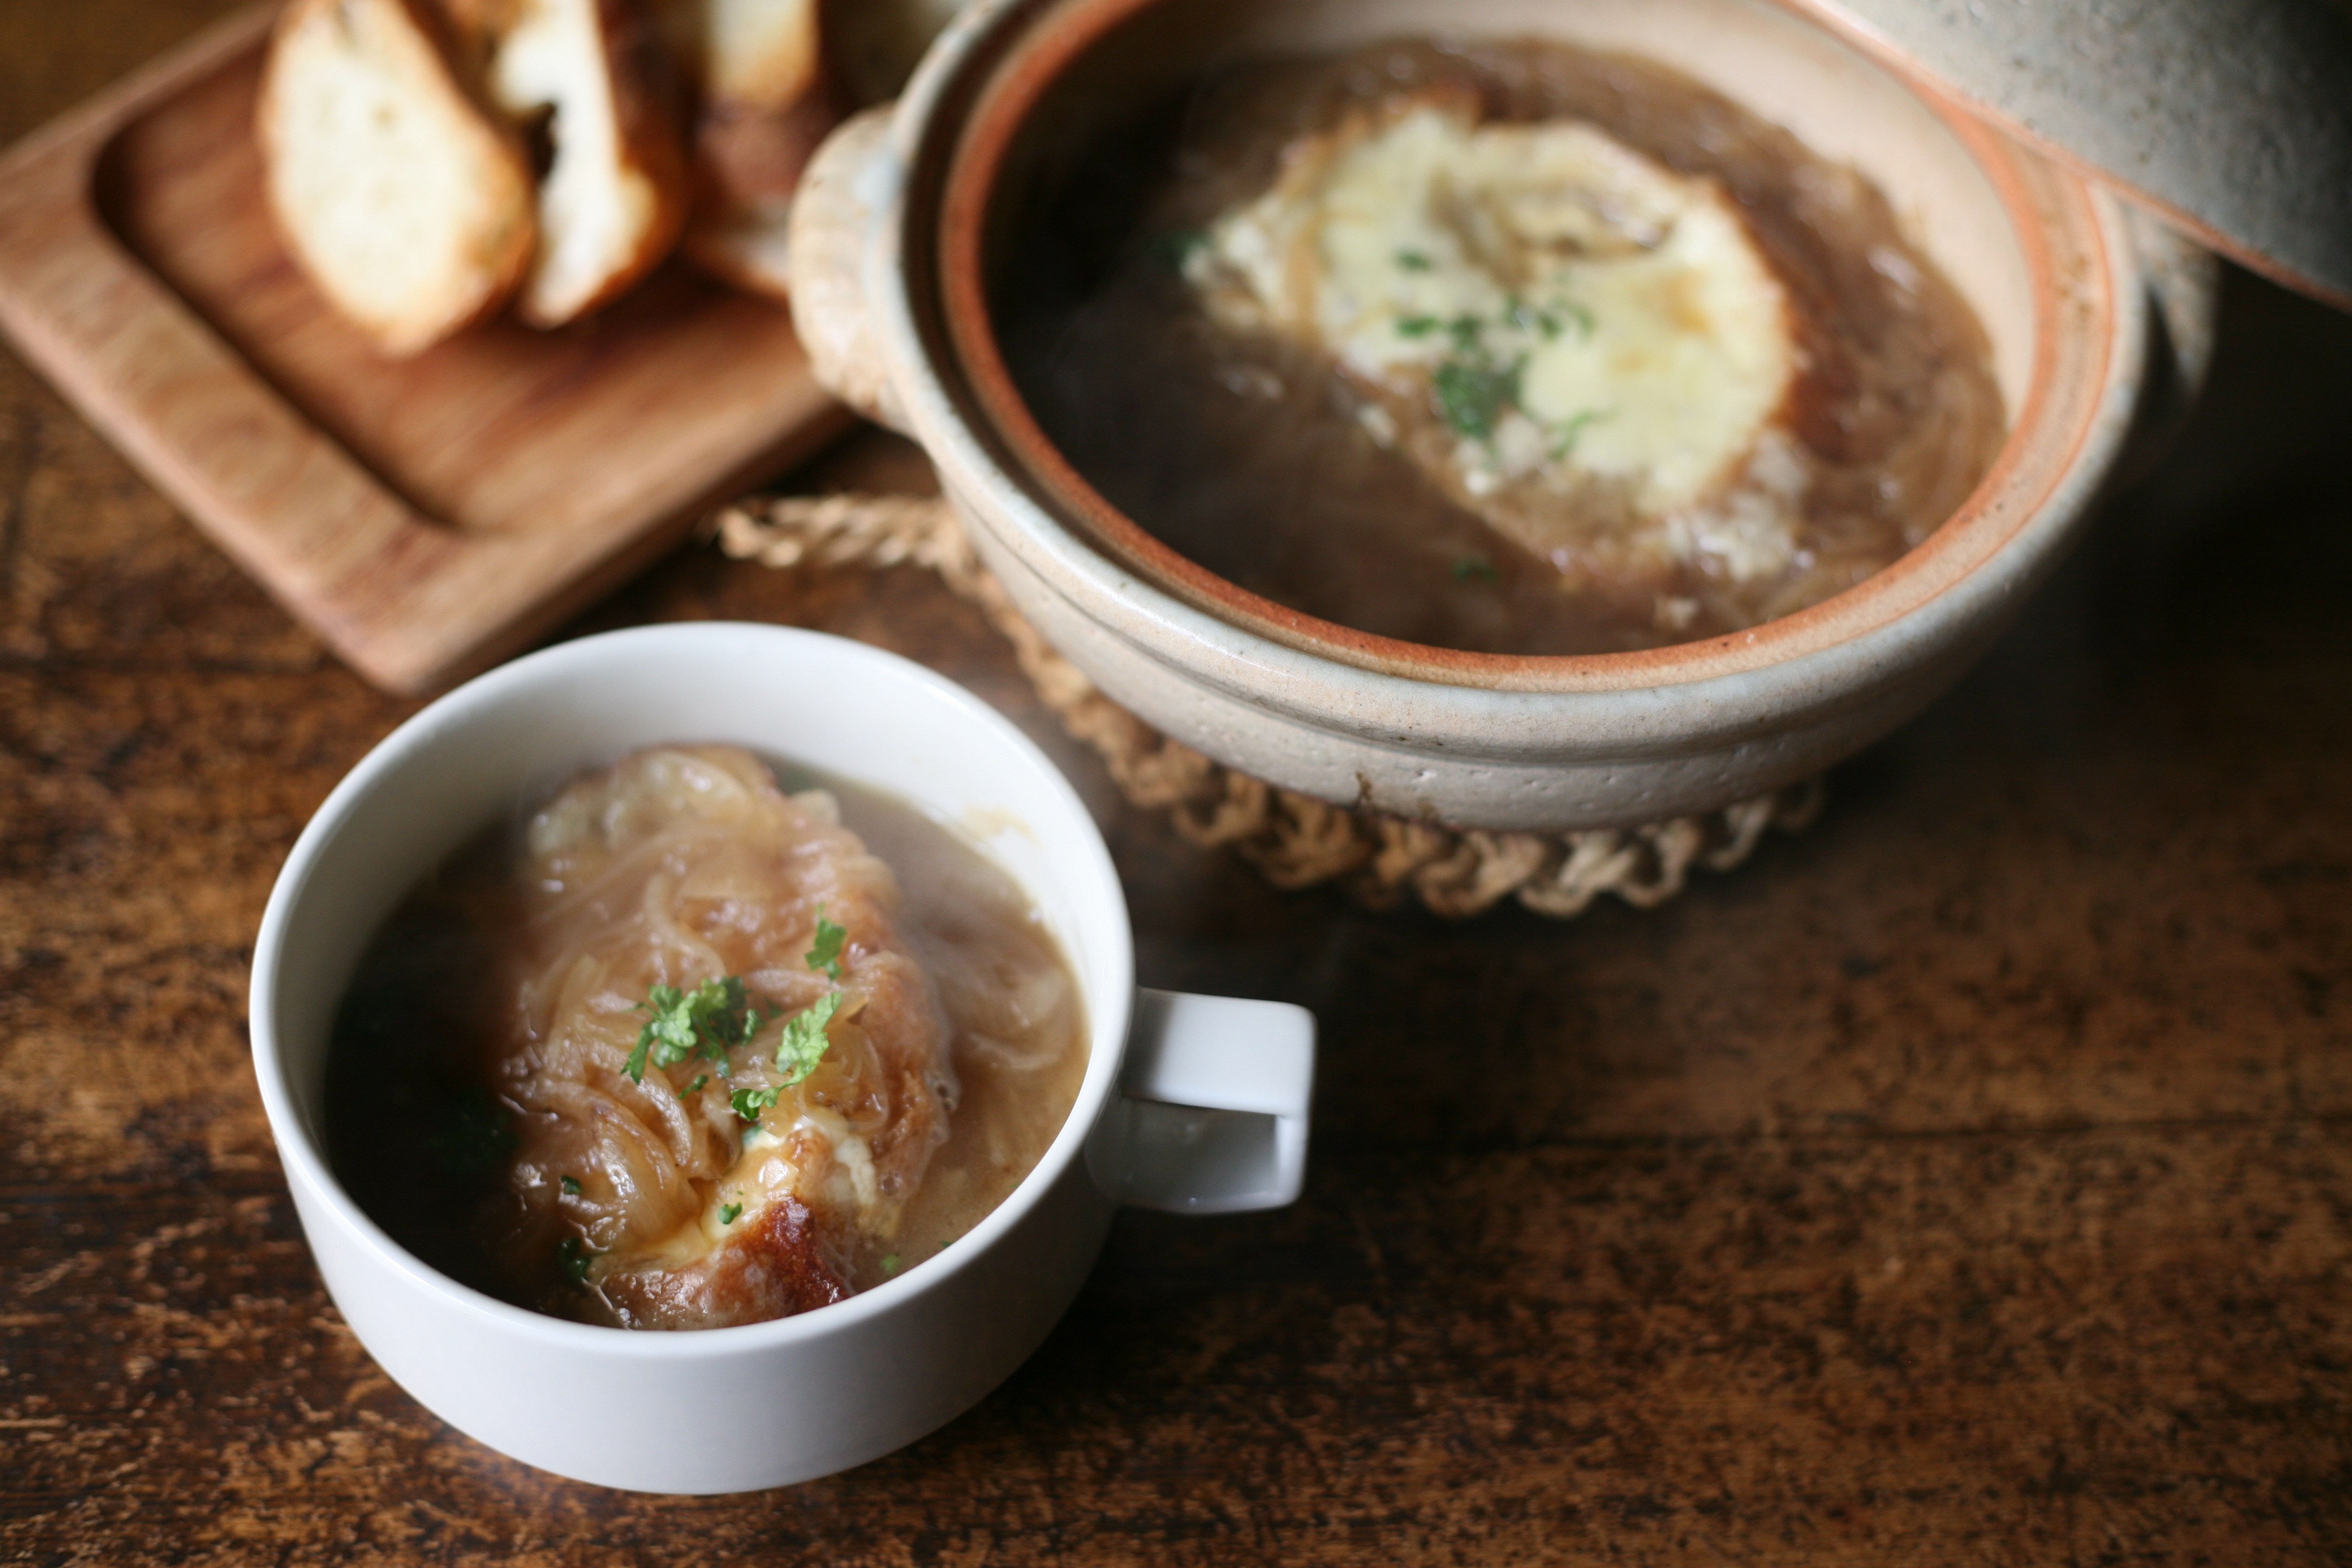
(1967,1180)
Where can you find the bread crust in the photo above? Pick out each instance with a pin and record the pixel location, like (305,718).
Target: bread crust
(615,129)
(760,116)
(752,54)
(747,168)
(644,100)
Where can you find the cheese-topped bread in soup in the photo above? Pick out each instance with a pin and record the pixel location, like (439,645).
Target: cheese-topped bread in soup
(1499,344)
(680,1050)
(715,1185)
(1582,346)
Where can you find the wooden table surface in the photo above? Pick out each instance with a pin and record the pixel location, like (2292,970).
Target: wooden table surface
(1968,1179)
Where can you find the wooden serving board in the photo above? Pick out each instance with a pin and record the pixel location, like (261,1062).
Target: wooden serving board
(426,516)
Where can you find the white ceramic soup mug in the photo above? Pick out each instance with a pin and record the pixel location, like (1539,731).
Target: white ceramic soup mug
(1188,1103)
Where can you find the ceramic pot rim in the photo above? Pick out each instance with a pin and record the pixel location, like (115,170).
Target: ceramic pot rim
(994,68)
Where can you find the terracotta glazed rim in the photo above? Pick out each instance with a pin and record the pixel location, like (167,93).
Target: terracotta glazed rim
(2051,221)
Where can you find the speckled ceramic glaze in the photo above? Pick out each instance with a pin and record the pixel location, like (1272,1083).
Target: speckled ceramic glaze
(2234,118)
(887,286)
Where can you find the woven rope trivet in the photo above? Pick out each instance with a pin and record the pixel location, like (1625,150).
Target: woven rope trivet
(1293,841)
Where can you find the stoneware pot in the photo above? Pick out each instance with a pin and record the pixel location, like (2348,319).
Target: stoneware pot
(889,251)
(1188,1103)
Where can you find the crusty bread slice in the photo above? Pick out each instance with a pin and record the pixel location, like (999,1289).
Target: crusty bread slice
(744,245)
(748,164)
(751,54)
(614,199)
(765,99)
(406,202)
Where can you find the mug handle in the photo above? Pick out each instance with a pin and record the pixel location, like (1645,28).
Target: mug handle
(1212,1110)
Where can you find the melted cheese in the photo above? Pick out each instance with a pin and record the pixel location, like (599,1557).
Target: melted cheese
(818,1160)
(1571,309)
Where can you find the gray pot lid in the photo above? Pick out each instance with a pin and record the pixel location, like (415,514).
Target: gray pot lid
(2231,118)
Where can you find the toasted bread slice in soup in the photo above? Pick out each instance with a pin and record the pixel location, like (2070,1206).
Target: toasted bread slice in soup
(406,202)
(766,98)
(614,199)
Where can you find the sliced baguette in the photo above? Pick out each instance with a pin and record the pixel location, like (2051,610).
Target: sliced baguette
(753,54)
(766,98)
(406,202)
(747,166)
(615,197)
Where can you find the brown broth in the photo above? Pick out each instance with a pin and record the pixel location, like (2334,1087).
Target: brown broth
(1248,454)
(437,1127)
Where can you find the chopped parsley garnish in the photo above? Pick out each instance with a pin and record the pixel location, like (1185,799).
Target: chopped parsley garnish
(890,1265)
(707,1020)
(699,1079)
(573,1254)
(1464,329)
(1413,261)
(572,1186)
(825,956)
(1417,326)
(1476,566)
(803,1042)
(801,1045)
(479,1133)
(1472,393)
(1528,319)
(730,1212)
